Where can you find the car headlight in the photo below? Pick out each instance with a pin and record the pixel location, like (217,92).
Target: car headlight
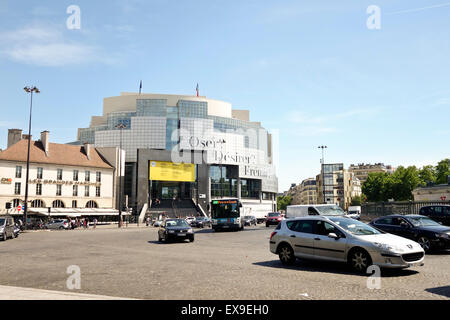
(388,247)
(2,229)
(190,231)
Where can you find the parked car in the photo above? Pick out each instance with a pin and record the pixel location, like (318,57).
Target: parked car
(354,212)
(273,218)
(189,220)
(427,232)
(61,224)
(337,238)
(157,223)
(175,229)
(249,220)
(201,222)
(6,227)
(439,213)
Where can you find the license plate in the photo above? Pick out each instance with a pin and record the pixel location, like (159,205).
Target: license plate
(182,234)
(225,226)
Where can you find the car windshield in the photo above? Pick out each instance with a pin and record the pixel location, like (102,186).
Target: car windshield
(176,223)
(274,214)
(330,210)
(354,227)
(422,222)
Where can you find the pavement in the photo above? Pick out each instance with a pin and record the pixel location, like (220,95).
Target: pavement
(131,263)
(16,293)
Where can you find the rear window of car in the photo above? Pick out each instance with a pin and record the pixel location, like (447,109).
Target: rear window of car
(304,226)
(384,221)
(274,214)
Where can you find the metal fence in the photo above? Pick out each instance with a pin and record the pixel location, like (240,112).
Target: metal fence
(373,210)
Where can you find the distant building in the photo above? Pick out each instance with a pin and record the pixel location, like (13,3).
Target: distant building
(336,185)
(362,170)
(440,192)
(303,193)
(60,176)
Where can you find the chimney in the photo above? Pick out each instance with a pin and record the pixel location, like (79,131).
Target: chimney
(87,150)
(14,136)
(44,140)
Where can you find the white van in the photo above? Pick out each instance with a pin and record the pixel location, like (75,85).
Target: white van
(304,210)
(354,212)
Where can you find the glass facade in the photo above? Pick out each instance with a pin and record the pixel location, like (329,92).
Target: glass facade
(250,188)
(223,182)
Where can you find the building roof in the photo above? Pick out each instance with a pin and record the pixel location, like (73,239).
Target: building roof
(61,154)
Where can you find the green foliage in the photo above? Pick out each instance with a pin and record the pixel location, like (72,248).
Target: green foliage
(442,171)
(382,186)
(356,201)
(283,202)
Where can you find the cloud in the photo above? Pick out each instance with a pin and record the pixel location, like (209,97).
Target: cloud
(47,46)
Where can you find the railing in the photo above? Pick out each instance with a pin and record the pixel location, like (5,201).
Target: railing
(373,210)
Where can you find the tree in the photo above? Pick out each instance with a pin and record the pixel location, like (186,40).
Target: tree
(356,201)
(374,186)
(442,171)
(283,202)
(427,175)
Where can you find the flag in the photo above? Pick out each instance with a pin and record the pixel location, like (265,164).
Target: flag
(140,87)
(197,89)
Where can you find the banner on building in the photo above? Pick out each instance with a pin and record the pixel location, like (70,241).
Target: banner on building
(169,171)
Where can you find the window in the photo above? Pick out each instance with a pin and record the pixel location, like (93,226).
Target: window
(75,191)
(17,202)
(17,188)
(74,203)
(59,174)
(324,228)
(75,175)
(86,191)
(91,204)
(58,204)
(18,171)
(39,173)
(97,191)
(304,226)
(384,221)
(58,189)
(98,176)
(37,204)
(87,176)
(38,189)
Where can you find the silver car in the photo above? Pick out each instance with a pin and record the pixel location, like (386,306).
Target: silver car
(343,239)
(61,224)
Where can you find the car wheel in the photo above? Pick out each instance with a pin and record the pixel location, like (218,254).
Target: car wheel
(425,243)
(360,260)
(286,254)
(191,239)
(61,228)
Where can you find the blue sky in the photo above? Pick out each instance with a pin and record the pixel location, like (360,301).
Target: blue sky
(309,70)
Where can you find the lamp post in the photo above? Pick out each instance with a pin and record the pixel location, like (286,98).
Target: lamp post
(120,126)
(29,90)
(323,179)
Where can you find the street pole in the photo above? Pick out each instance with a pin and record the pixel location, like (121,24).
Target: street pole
(29,90)
(322,169)
(120,126)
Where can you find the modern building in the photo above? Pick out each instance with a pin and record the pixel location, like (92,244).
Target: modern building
(61,176)
(336,185)
(189,148)
(362,170)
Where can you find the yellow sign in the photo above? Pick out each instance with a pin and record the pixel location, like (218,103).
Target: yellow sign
(169,171)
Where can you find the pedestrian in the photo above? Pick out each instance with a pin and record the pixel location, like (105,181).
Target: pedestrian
(95,223)
(86,223)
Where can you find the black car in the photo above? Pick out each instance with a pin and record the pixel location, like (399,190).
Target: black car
(439,213)
(201,222)
(249,220)
(427,232)
(175,229)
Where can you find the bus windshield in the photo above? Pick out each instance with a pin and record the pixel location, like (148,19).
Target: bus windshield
(225,209)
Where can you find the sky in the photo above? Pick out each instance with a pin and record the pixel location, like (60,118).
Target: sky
(312,72)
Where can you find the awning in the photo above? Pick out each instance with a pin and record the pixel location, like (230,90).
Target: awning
(68,212)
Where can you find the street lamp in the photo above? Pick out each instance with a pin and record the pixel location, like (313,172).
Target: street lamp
(29,90)
(120,126)
(323,179)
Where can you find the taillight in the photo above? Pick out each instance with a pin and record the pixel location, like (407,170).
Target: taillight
(272,234)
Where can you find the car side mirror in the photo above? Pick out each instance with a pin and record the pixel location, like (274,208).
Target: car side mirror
(333,235)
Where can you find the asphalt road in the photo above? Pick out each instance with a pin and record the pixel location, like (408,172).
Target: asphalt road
(226,265)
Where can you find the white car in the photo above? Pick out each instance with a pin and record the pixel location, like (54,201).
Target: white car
(189,220)
(337,238)
(61,224)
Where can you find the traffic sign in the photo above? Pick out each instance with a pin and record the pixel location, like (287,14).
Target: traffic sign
(19,208)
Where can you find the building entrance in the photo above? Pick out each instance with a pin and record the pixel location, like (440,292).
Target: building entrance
(165,190)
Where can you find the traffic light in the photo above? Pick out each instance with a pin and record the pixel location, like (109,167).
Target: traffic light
(8,205)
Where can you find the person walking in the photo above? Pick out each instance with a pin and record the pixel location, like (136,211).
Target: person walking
(95,223)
